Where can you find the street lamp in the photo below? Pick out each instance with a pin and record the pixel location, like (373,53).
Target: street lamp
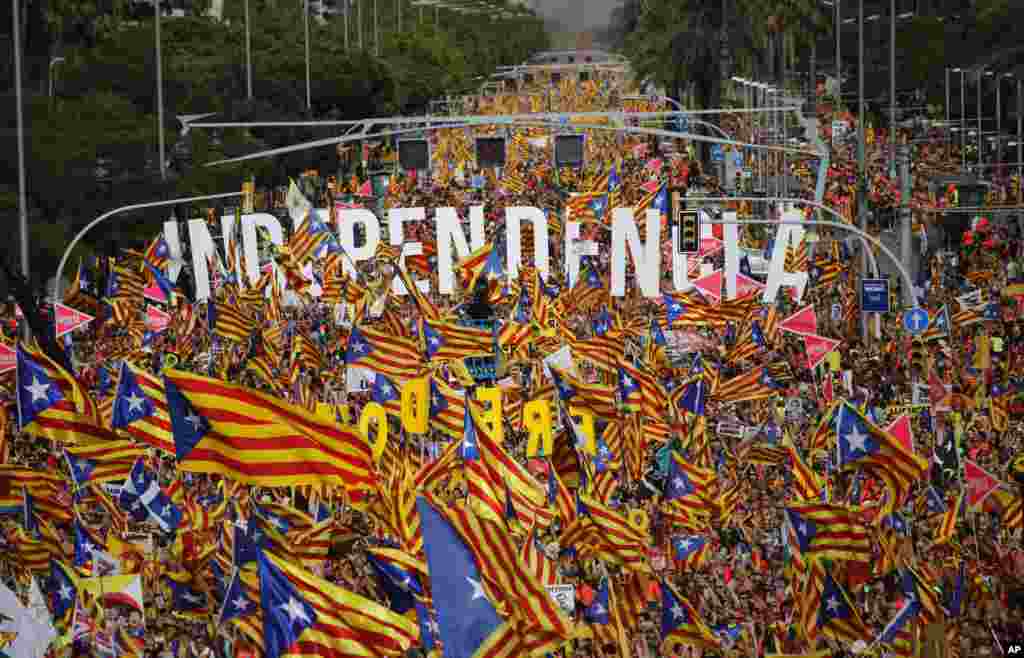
(53,62)
(22,195)
(161,146)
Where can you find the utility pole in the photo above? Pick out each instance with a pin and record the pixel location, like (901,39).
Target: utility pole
(906,219)
(248,53)
(22,195)
(862,213)
(159,94)
(305,21)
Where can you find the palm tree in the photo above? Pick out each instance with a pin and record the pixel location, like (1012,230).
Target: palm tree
(678,43)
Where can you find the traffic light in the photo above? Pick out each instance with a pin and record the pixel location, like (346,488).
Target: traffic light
(414,154)
(918,356)
(689,231)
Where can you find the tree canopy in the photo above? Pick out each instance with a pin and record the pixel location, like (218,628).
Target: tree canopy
(93,147)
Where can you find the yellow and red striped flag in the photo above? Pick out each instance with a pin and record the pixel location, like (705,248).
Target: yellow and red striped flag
(304,615)
(140,408)
(829,531)
(259,439)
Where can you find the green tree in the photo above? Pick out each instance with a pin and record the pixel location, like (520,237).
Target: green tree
(681,42)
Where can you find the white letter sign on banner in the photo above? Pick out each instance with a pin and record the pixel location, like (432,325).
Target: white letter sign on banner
(396,237)
(452,245)
(175,261)
(680,264)
(202,248)
(575,250)
(513,218)
(777,274)
(646,255)
(250,243)
(731,238)
(347,220)
(449,234)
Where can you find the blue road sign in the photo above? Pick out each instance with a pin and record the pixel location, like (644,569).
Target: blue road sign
(874,295)
(717,154)
(915,320)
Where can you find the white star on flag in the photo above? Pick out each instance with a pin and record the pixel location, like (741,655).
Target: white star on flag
(134,402)
(832,604)
(294,610)
(38,390)
(857,441)
(478,590)
(195,421)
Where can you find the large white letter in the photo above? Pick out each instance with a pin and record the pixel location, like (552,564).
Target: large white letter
(347,220)
(680,264)
(250,240)
(227,224)
(575,250)
(201,242)
(175,260)
(646,255)
(396,236)
(731,237)
(513,238)
(777,274)
(450,234)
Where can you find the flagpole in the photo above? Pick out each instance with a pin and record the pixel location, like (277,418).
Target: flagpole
(224,604)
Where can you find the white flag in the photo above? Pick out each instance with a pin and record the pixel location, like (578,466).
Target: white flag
(32,636)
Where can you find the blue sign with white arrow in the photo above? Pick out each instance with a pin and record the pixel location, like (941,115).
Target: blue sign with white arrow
(915,321)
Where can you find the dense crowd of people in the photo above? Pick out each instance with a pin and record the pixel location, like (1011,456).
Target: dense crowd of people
(679,517)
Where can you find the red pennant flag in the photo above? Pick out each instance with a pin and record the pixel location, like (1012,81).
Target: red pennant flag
(68,319)
(153,293)
(157,319)
(710,286)
(818,348)
(8,358)
(900,430)
(827,391)
(366,189)
(803,322)
(938,393)
(710,247)
(979,483)
(746,286)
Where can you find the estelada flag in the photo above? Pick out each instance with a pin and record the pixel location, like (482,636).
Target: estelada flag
(157,319)
(68,319)
(804,322)
(901,430)
(979,484)
(8,358)
(817,348)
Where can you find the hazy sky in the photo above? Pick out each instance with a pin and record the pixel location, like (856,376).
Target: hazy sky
(577,14)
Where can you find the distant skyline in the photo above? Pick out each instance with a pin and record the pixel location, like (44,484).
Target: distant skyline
(577,15)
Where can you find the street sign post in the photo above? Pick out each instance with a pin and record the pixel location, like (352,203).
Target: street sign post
(874,295)
(915,321)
